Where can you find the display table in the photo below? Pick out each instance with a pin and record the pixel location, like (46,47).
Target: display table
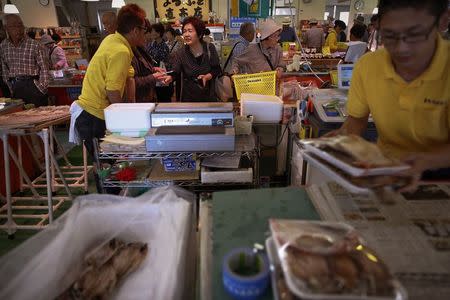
(64,91)
(240,219)
(308,76)
(40,122)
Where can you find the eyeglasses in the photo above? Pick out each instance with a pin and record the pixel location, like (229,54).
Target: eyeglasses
(390,40)
(143,28)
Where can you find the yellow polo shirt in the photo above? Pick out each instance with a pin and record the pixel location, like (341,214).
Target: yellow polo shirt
(331,40)
(108,70)
(410,117)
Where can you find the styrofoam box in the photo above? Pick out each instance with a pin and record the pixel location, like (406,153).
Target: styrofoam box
(263,108)
(129,119)
(231,175)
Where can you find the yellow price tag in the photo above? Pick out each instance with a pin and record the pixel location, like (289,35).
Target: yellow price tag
(226,49)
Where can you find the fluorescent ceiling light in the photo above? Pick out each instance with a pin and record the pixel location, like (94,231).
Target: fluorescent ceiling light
(117,3)
(10,8)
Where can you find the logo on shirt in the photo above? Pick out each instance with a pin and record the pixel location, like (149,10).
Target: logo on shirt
(434,101)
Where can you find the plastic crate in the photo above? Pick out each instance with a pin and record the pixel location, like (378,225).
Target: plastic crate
(263,83)
(73,93)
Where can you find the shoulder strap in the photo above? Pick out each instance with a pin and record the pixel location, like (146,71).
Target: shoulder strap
(51,51)
(173,46)
(268,60)
(229,56)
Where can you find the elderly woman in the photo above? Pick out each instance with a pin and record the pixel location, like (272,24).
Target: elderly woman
(196,65)
(263,56)
(56,55)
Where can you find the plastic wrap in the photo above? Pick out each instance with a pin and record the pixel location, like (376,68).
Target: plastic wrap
(48,263)
(325,260)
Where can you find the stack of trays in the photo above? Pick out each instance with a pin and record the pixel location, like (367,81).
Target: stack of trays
(356,177)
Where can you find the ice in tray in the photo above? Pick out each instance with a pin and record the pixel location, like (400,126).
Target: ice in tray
(326,260)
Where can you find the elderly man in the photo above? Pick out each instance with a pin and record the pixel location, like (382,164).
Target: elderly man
(109,21)
(24,66)
(246,35)
(314,37)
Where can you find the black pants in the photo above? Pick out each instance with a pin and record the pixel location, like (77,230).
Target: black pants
(164,93)
(90,127)
(29,93)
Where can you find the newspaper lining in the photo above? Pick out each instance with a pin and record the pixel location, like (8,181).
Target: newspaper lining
(412,234)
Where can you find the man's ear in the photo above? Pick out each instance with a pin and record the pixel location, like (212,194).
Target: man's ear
(443,21)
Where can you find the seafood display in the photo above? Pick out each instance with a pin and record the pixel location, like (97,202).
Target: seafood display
(34,116)
(321,259)
(104,268)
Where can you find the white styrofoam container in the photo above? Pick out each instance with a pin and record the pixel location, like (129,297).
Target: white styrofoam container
(129,119)
(231,175)
(263,108)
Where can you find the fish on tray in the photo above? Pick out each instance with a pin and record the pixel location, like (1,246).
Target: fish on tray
(104,268)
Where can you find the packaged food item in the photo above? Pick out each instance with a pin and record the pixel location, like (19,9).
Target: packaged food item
(325,260)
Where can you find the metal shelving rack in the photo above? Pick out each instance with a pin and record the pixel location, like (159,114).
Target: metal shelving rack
(245,146)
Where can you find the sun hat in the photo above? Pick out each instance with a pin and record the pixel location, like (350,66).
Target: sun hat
(359,19)
(286,21)
(46,39)
(267,28)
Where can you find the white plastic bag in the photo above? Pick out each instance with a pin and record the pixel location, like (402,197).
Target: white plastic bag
(48,263)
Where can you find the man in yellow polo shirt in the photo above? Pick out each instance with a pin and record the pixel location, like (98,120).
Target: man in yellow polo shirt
(107,74)
(406,87)
(334,34)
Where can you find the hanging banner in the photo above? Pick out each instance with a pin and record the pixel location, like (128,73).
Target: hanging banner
(171,10)
(256,8)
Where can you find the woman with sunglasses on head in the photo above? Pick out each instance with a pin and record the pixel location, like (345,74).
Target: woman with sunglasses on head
(146,73)
(196,65)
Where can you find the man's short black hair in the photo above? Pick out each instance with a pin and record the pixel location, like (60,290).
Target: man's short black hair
(340,24)
(434,7)
(158,28)
(358,31)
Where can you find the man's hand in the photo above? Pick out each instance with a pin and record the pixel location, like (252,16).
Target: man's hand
(351,125)
(419,163)
(205,78)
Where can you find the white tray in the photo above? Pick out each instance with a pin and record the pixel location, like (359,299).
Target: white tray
(352,170)
(344,182)
(275,266)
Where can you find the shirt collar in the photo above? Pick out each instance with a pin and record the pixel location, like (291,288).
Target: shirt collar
(434,71)
(243,40)
(20,42)
(123,40)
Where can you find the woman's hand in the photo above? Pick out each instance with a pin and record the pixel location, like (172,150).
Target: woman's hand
(167,79)
(159,76)
(279,72)
(205,78)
